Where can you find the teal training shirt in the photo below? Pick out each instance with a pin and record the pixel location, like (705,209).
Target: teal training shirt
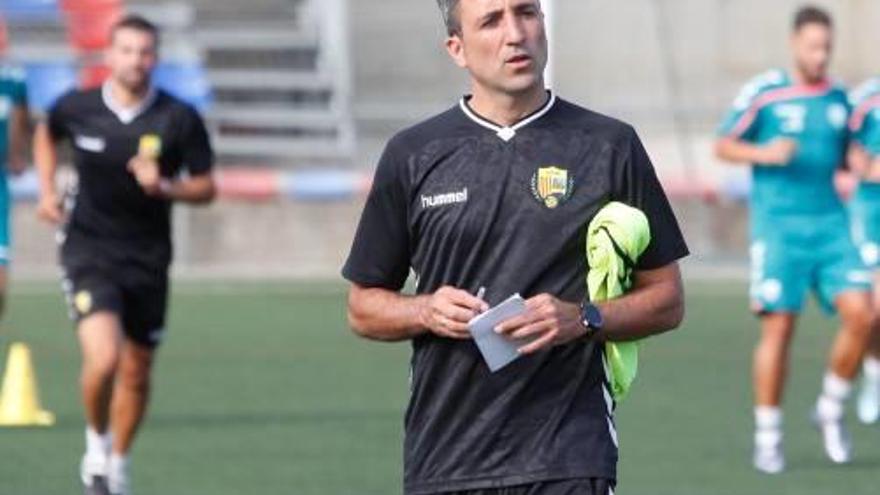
(864,123)
(773,106)
(13,92)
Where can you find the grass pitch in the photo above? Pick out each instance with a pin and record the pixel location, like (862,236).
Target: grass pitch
(261,388)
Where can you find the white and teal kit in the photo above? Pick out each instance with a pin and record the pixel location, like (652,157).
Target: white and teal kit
(865,204)
(13,93)
(800,236)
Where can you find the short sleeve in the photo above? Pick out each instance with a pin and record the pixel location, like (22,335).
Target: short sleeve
(197,157)
(380,253)
(635,183)
(741,119)
(19,88)
(868,132)
(58,117)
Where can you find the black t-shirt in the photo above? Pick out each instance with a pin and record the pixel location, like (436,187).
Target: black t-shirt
(464,202)
(112,218)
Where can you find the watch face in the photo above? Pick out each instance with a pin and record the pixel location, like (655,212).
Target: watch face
(592,316)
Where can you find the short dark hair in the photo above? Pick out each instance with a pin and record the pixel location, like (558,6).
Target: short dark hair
(810,14)
(137,23)
(449,11)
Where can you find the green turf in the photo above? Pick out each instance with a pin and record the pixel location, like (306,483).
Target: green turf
(261,389)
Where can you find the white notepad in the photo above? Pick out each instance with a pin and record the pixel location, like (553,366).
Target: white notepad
(498,350)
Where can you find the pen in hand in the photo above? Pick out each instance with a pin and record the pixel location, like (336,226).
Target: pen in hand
(480,293)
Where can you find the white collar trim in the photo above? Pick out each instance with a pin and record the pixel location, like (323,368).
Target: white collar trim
(126,115)
(507,133)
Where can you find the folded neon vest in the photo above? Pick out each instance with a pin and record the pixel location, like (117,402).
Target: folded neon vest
(616,237)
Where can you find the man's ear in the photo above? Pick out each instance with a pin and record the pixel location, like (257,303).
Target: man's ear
(455,48)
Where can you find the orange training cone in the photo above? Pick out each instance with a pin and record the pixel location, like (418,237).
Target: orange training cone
(19,399)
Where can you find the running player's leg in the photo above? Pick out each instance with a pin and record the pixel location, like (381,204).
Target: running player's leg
(865,219)
(770,370)
(857,322)
(99,336)
(96,305)
(844,285)
(145,305)
(130,397)
(844,361)
(130,394)
(780,276)
(771,358)
(868,406)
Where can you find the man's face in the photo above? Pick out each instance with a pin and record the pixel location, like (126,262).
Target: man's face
(502,43)
(811,46)
(131,58)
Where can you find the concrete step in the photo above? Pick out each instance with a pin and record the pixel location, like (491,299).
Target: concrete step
(272,116)
(268,79)
(233,147)
(215,10)
(266,36)
(259,58)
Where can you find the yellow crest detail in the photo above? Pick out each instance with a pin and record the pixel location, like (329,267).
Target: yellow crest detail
(150,146)
(551,186)
(83,301)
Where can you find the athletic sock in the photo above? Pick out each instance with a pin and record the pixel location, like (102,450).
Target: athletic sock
(117,472)
(768,425)
(871,369)
(97,444)
(835,390)
(118,462)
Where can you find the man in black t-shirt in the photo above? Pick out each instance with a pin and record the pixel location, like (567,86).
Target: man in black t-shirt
(130,142)
(497,192)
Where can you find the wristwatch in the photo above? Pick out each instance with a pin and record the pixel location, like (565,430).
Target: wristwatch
(592,319)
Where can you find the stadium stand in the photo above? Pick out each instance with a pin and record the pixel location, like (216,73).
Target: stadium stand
(47,81)
(273,95)
(187,81)
(89,21)
(278,72)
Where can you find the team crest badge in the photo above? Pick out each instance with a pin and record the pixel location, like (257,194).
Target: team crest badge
(837,115)
(150,146)
(552,186)
(83,301)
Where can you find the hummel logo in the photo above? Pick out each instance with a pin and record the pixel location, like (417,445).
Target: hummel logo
(445,199)
(88,143)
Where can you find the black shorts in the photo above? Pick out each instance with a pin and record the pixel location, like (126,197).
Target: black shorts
(138,296)
(585,486)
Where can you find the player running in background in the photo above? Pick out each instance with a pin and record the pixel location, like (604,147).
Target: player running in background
(791,127)
(865,216)
(130,143)
(14,129)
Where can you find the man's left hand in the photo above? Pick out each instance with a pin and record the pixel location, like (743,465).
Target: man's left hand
(547,322)
(146,172)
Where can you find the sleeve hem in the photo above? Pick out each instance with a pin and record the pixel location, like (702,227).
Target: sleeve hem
(661,262)
(372,282)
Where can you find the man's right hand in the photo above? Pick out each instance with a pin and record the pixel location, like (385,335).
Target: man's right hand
(778,152)
(447,312)
(49,208)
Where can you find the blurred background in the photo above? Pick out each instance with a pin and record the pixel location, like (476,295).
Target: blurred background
(301,95)
(260,384)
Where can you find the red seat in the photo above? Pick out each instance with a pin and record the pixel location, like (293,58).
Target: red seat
(4,37)
(68,5)
(89,22)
